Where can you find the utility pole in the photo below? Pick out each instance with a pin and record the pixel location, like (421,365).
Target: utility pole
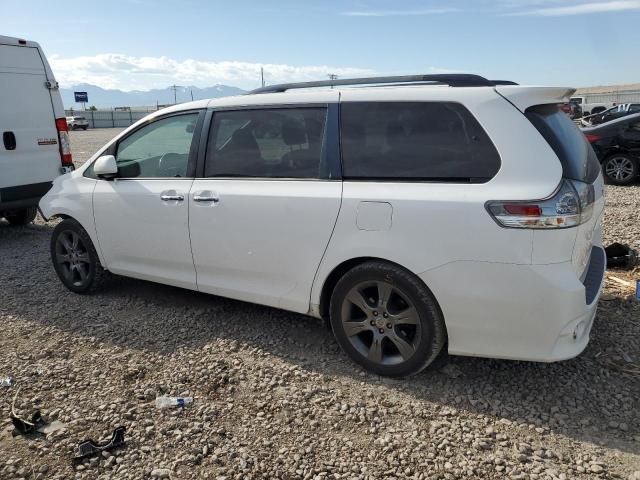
(262,76)
(191,90)
(332,76)
(175,90)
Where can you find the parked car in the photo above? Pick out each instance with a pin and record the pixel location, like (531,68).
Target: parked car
(573,110)
(77,123)
(617,145)
(35,143)
(414,217)
(611,114)
(590,108)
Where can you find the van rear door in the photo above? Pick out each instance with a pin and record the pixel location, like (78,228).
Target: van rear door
(29,151)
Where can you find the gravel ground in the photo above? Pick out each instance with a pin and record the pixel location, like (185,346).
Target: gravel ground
(275,398)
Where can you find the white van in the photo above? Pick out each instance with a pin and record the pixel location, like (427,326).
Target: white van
(417,213)
(35,140)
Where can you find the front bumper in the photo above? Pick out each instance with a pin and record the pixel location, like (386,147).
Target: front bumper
(520,312)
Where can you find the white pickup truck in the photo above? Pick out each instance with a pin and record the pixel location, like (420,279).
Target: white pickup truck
(35,145)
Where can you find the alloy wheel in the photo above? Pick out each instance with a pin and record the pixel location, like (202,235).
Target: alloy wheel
(380,322)
(619,168)
(73,258)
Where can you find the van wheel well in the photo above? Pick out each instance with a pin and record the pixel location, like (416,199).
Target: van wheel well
(337,273)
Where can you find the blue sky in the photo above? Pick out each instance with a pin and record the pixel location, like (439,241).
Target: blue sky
(143,44)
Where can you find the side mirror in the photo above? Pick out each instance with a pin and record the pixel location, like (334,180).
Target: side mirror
(106,167)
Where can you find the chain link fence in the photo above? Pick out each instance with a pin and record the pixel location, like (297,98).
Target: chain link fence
(110,118)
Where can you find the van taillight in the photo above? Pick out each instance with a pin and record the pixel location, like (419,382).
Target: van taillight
(570,205)
(63,140)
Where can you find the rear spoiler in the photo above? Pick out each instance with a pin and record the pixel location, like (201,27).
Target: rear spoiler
(524,97)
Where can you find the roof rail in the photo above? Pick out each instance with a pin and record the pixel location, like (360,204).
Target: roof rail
(453,80)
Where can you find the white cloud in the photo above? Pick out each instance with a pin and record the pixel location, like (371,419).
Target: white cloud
(125,72)
(580,8)
(399,13)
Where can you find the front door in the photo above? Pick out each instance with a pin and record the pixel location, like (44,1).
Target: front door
(142,215)
(263,214)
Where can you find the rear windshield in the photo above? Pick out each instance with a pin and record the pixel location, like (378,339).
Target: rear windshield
(78,118)
(579,161)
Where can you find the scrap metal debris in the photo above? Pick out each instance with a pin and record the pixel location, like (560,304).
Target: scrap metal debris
(26,427)
(6,381)
(90,447)
(35,424)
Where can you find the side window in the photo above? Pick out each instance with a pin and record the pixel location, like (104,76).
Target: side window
(432,141)
(271,143)
(158,150)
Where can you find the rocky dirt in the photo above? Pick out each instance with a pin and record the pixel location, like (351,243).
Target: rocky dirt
(275,398)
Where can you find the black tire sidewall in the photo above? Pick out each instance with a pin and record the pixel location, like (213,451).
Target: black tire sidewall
(94,264)
(432,326)
(22,216)
(613,181)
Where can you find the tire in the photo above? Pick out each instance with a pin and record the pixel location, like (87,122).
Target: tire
(386,319)
(85,128)
(620,169)
(75,259)
(22,216)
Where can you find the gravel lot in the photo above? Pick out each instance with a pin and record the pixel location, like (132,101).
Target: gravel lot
(275,397)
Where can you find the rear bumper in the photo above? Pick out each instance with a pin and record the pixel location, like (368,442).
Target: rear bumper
(522,312)
(22,196)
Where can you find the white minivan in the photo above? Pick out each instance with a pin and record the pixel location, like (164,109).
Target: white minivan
(415,213)
(35,143)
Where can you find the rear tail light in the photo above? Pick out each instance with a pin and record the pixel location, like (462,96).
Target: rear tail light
(592,137)
(570,205)
(63,140)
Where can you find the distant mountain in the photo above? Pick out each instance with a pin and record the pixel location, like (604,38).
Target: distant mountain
(103,98)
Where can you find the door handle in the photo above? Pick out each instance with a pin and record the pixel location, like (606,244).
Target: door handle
(206,196)
(171,195)
(9,139)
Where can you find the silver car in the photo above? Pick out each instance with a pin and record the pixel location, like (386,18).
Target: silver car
(77,123)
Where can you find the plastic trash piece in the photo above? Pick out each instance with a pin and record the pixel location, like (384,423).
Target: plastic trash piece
(167,402)
(638,290)
(90,447)
(6,381)
(620,256)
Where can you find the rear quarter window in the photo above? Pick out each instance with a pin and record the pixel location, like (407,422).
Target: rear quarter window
(419,141)
(579,161)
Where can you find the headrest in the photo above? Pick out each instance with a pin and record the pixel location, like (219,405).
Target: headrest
(293,133)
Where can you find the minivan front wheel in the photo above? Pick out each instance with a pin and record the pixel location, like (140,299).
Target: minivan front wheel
(386,319)
(620,169)
(75,259)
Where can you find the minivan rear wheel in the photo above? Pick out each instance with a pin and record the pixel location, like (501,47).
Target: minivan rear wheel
(386,319)
(75,259)
(22,216)
(620,169)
